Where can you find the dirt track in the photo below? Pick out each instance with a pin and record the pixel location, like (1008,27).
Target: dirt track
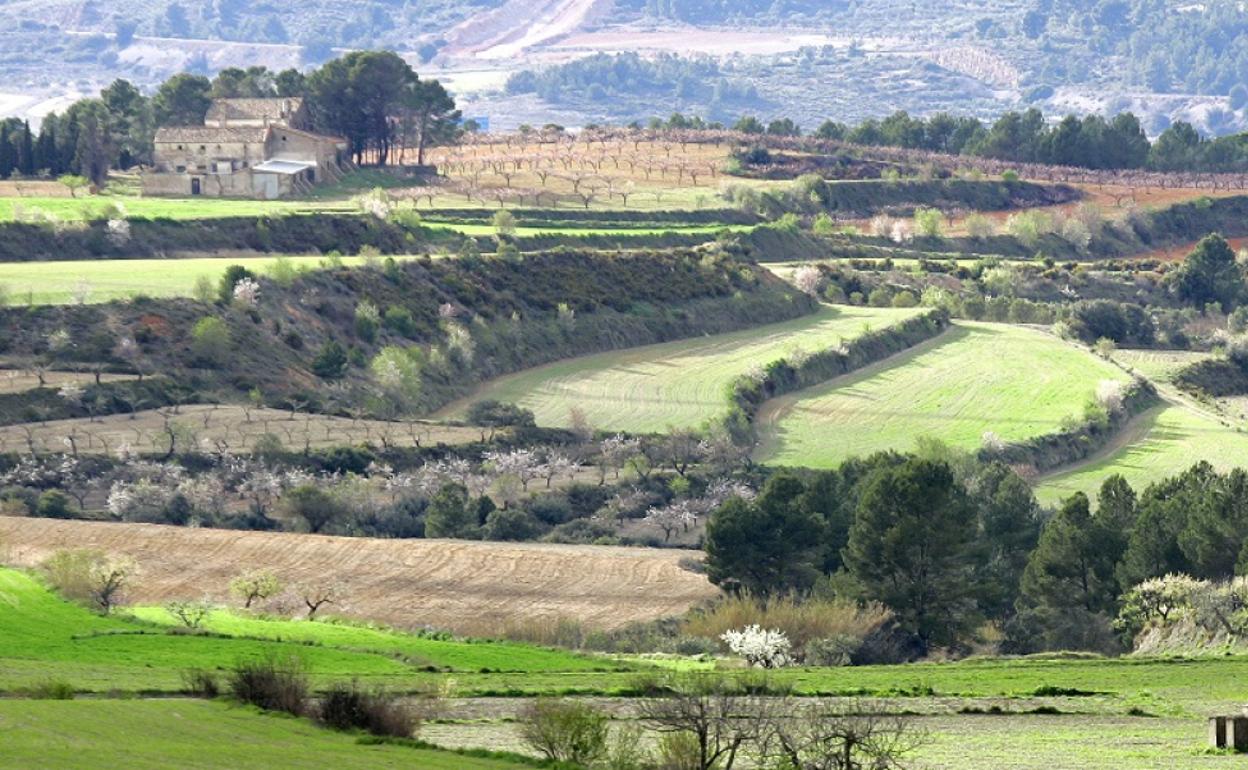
(469,587)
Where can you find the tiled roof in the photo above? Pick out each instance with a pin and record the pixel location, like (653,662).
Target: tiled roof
(210,135)
(252,109)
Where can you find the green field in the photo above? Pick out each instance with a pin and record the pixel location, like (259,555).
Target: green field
(160,734)
(57,283)
(1014,381)
(1160,443)
(978,713)
(94,207)
(1158,365)
(674,384)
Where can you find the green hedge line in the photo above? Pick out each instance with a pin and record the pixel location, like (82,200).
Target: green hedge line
(868,197)
(1214,378)
(783,376)
(1055,450)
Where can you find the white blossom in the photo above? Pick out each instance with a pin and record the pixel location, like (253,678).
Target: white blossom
(118,232)
(247,292)
(763,648)
(808,279)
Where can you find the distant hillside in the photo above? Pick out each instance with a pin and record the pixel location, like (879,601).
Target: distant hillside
(518,61)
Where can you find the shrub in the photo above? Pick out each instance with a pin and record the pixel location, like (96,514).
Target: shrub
(399,320)
(802,620)
(330,362)
(837,650)
(504,223)
(200,683)
(511,524)
(49,689)
(905,299)
(233,274)
(90,577)
(54,504)
(929,223)
(271,684)
(349,707)
(979,226)
(565,731)
(880,297)
(210,340)
(367,321)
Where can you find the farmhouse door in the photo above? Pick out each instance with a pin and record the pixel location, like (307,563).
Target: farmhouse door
(195,186)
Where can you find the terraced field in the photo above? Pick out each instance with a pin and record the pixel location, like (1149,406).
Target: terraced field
(1013,381)
(1162,442)
(676,384)
(60,283)
(1160,366)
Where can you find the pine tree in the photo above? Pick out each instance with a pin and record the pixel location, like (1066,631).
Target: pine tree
(1070,567)
(769,545)
(910,547)
(450,514)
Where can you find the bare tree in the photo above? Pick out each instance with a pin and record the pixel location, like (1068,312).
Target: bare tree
(858,736)
(317,594)
(715,712)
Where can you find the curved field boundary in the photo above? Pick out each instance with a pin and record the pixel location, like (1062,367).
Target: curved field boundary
(787,375)
(1162,442)
(1016,382)
(676,384)
(469,587)
(1071,445)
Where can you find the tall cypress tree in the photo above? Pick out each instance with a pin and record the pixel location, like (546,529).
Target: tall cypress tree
(26,151)
(8,155)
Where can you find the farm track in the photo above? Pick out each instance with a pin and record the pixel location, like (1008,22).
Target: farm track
(469,587)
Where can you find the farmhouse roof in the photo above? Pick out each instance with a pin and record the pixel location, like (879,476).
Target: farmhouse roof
(311,135)
(252,109)
(211,134)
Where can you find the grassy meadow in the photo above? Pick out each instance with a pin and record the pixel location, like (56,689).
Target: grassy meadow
(43,637)
(60,283)
(158,734)
(675,384)
(1013,381)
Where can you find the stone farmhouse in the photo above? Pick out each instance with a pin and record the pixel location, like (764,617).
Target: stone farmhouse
(247,148)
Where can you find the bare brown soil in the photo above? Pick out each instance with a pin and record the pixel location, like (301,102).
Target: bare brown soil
(469,587)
